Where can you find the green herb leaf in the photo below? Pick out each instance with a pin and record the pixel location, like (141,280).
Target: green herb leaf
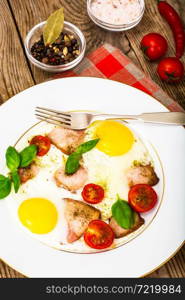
(16,181)
(72,163)
(27,155)
(5,186)
(54,26)
(12,158)
(123,214)
(85,147)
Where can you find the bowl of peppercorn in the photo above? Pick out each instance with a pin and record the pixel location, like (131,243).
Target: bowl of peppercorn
(65,53)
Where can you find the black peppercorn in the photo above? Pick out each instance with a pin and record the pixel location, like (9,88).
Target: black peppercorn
(70,49)
(74,42)
(65,49)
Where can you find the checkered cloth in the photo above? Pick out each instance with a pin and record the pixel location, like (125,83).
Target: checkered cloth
(109,62)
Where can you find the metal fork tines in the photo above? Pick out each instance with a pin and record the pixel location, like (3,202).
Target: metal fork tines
(81,120)
(53,116)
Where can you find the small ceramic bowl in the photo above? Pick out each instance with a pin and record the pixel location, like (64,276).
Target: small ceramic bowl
(114,27)
(34,35)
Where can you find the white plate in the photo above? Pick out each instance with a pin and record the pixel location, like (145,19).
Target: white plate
(161,239)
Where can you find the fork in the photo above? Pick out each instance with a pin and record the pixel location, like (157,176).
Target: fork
(81,120)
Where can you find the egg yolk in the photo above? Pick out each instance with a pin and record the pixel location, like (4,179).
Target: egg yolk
(39,215)
(115,138)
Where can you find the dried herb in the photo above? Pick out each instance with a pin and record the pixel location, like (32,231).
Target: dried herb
(54,26)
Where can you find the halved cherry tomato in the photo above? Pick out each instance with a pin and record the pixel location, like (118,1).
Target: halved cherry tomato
(43,144)
(93,193)
(142,197)
(99,235)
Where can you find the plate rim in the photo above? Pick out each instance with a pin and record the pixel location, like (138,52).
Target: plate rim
(81,78)
(142,276)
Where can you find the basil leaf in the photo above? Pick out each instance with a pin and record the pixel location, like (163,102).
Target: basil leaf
(123,214)
(5,186)
(72,163)
(85,147)
(27,155)
(12,158)
(16,181)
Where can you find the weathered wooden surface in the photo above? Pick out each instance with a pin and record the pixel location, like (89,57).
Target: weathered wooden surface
(14,71)
(17,17)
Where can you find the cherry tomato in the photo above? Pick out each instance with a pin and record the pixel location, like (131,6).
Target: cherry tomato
(154,46)
(93,193)
(99,235)
(170,69)
(142,197)
(43,143)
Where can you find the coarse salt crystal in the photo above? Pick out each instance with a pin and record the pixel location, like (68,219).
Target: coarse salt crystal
(116,12)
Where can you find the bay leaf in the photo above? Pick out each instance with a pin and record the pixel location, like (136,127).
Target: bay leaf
(54,26)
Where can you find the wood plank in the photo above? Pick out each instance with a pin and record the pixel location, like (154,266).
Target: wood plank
(153,22)
(75,12)
(8,272)
(14,72)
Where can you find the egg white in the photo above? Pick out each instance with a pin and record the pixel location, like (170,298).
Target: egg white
(43,186)
(108,171)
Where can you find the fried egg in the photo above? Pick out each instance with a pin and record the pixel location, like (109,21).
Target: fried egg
(118,149)
(115,138)
(38,207)
(39,215)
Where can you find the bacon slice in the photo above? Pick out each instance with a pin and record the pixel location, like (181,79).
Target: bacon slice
(71,182)
(120,232)
(67,140)
(28,172)
(142,175)
(78,215)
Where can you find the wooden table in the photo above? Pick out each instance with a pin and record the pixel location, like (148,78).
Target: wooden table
(17,17)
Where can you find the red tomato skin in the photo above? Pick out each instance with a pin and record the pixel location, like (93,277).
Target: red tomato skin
(171,70)
(98,229)
(43,143)
(133,193)
(175,22)
(93,193)
(154,46)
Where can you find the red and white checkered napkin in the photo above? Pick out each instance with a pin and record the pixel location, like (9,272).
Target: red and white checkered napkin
(109,62)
